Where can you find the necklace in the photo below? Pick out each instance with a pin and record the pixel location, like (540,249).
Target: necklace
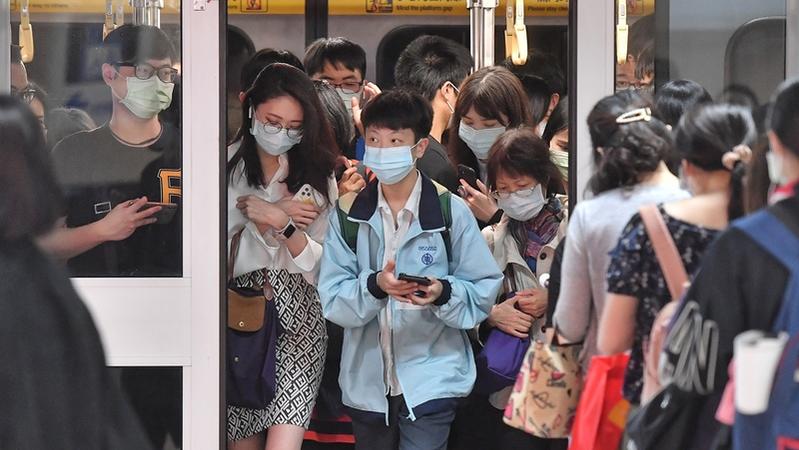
(139,144)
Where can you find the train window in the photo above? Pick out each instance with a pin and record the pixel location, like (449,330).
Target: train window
(111,112)
(735,50)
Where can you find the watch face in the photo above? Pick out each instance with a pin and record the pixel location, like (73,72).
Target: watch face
(289,231)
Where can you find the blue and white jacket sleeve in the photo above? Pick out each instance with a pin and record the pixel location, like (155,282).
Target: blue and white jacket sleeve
(342,287)
(474,278)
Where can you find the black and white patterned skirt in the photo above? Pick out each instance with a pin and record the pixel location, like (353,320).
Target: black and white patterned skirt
(300,356)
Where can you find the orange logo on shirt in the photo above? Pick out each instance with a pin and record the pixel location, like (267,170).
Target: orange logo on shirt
(171,187)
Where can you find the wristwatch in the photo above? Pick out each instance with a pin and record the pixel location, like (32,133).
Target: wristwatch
(288,230)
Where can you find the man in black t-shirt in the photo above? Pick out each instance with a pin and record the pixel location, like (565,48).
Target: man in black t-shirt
(434,67)
(111,175)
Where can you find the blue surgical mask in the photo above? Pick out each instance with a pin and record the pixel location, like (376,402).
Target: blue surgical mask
(274,144)
(479,141)
(391,164)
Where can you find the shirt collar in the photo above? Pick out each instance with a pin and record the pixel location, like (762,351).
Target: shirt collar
(411,205)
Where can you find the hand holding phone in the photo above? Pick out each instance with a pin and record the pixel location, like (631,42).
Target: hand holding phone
(468,175)
(165,215)
(424,281)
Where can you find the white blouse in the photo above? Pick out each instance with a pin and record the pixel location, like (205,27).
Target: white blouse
(258,251)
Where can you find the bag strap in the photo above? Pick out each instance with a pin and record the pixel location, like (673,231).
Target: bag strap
(667,254)
(234,252)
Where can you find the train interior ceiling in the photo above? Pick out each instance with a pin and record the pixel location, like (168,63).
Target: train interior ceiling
(718,47)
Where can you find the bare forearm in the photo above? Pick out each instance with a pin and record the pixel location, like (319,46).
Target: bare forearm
(66,243)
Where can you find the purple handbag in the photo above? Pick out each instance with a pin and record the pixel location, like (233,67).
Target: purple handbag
(251,342)
(499,362)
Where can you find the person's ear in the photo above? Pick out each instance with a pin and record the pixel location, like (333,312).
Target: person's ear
(242,96)
(553,103)
(109,73)
(421,148)
(775,144)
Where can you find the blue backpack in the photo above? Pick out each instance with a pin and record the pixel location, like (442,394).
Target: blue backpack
(778,427)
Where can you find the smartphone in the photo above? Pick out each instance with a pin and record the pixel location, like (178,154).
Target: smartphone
(415,279)
(165,215)
(468,174)
(307,194)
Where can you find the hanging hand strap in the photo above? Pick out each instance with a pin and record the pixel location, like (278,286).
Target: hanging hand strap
(667,254)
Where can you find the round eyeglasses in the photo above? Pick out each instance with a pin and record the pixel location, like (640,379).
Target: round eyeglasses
(275,128)
(526,192)
(27,95)
(347,87)
(144,71)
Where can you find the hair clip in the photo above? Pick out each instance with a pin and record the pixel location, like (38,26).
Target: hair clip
(635,115)
(740,153)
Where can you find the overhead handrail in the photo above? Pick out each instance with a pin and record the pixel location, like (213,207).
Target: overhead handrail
(622,31)
(25,32)
(515,33)
(108,23)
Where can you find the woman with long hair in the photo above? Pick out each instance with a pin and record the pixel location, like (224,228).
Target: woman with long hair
(285,145)
(490,102)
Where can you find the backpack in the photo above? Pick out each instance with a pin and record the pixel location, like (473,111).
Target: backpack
(778,427)
(349,229)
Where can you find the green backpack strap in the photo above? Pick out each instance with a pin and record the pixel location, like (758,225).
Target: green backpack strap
(349,229)
(445,200)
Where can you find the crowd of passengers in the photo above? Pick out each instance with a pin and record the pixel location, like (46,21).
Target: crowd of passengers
(396,232)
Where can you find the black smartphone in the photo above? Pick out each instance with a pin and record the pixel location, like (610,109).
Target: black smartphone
(415,279)
(165,215)
(468,174)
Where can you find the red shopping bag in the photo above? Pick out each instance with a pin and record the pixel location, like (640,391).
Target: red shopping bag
(602,411)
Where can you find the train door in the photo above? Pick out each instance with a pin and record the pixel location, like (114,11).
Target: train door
(156,302)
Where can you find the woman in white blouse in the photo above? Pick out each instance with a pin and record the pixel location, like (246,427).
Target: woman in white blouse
(280,191)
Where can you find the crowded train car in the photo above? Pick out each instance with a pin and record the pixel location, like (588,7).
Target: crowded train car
(399,224)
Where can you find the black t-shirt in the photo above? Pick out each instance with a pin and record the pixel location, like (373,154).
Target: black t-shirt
(97,172)
(740,287)
(436,165)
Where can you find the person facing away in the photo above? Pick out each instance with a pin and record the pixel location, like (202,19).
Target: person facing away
(714,142)
(284,145)
(406,358)
(111,173)
(434,67)
(674,99)
(742,285)
(544,83)
(55,389)
(629,150)
(491,101)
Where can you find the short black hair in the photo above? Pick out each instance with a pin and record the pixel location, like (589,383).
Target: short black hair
(263,58)
(399,109)
(430,61)
(541,77)
(677,97)
(137,43)
(31,200)
(336,51)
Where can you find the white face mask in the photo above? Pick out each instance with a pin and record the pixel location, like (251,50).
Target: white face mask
(146,98)
(479,141)
(523,205)
(390,164)
(346,98)
(775,168)
(272,143)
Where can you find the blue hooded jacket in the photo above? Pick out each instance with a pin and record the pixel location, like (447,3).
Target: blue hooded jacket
(433,356)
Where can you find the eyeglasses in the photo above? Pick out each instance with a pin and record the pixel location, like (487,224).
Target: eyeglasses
(347,87)
(275,128)
(27,95)
(526,192)
(146,71)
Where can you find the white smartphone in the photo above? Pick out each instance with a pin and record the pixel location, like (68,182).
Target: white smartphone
(307,194)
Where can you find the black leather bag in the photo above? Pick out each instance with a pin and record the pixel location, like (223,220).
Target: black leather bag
(665,423)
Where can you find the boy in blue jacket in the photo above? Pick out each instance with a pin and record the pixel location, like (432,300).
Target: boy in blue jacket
(406,358)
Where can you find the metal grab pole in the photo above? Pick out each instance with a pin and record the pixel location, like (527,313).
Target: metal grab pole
(154,12)
(481,31)
(139,11)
